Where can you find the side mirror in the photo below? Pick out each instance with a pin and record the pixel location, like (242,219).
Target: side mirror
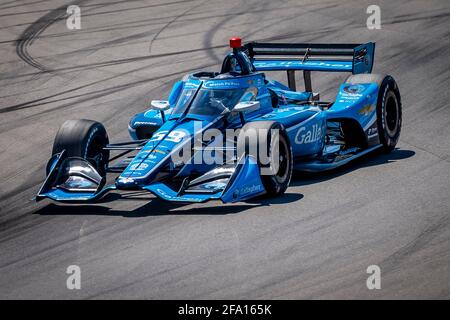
(246,106)
(161,105)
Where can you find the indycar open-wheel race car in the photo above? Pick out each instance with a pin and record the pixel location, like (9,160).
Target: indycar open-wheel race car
(241,119)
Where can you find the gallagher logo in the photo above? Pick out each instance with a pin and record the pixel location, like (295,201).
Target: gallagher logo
(308,136)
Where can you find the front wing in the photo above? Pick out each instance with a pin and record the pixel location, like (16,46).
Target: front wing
(243,182)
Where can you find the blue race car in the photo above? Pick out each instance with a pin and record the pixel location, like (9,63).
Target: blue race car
(235,134)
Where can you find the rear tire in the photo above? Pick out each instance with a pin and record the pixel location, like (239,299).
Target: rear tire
(85,139)
(275,180)
(389,108)
(389,114)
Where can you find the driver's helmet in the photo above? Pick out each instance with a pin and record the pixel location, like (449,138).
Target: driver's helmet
(234,65)
(232,69)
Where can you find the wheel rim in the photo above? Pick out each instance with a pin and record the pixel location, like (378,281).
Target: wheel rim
(391,114)
(283,161)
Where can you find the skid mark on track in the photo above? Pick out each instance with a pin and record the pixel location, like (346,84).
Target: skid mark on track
(30,34)
(172,21)
(85,96)
(114,62)
(422,241)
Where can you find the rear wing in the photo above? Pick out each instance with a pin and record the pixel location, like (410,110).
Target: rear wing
(354,58)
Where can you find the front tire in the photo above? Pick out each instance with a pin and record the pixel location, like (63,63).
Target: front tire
(84,139)
(275,179)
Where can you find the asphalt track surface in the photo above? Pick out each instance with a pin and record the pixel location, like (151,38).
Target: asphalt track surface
(314,242)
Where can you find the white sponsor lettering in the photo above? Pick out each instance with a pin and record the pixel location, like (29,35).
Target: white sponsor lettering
(138,166)
(251,189)
(308,136)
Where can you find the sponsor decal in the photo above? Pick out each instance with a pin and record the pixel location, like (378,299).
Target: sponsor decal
(190,86)
(366,110)
(372,132)
(354,89)
(126,180)
(213,185)
(221,83)
(350,150)
(250,189)
(173,136)
(308,136)
(245,190)
(151,114)
(138,167)
(144,123)
(273,64)
(352,93)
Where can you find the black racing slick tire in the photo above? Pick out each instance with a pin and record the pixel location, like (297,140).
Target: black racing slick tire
(273,136)
(389,114)
(389,108)
(85,139)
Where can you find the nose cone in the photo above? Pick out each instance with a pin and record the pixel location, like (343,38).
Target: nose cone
(158,153)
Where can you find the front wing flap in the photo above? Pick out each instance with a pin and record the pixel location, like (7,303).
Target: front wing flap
(244,183)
